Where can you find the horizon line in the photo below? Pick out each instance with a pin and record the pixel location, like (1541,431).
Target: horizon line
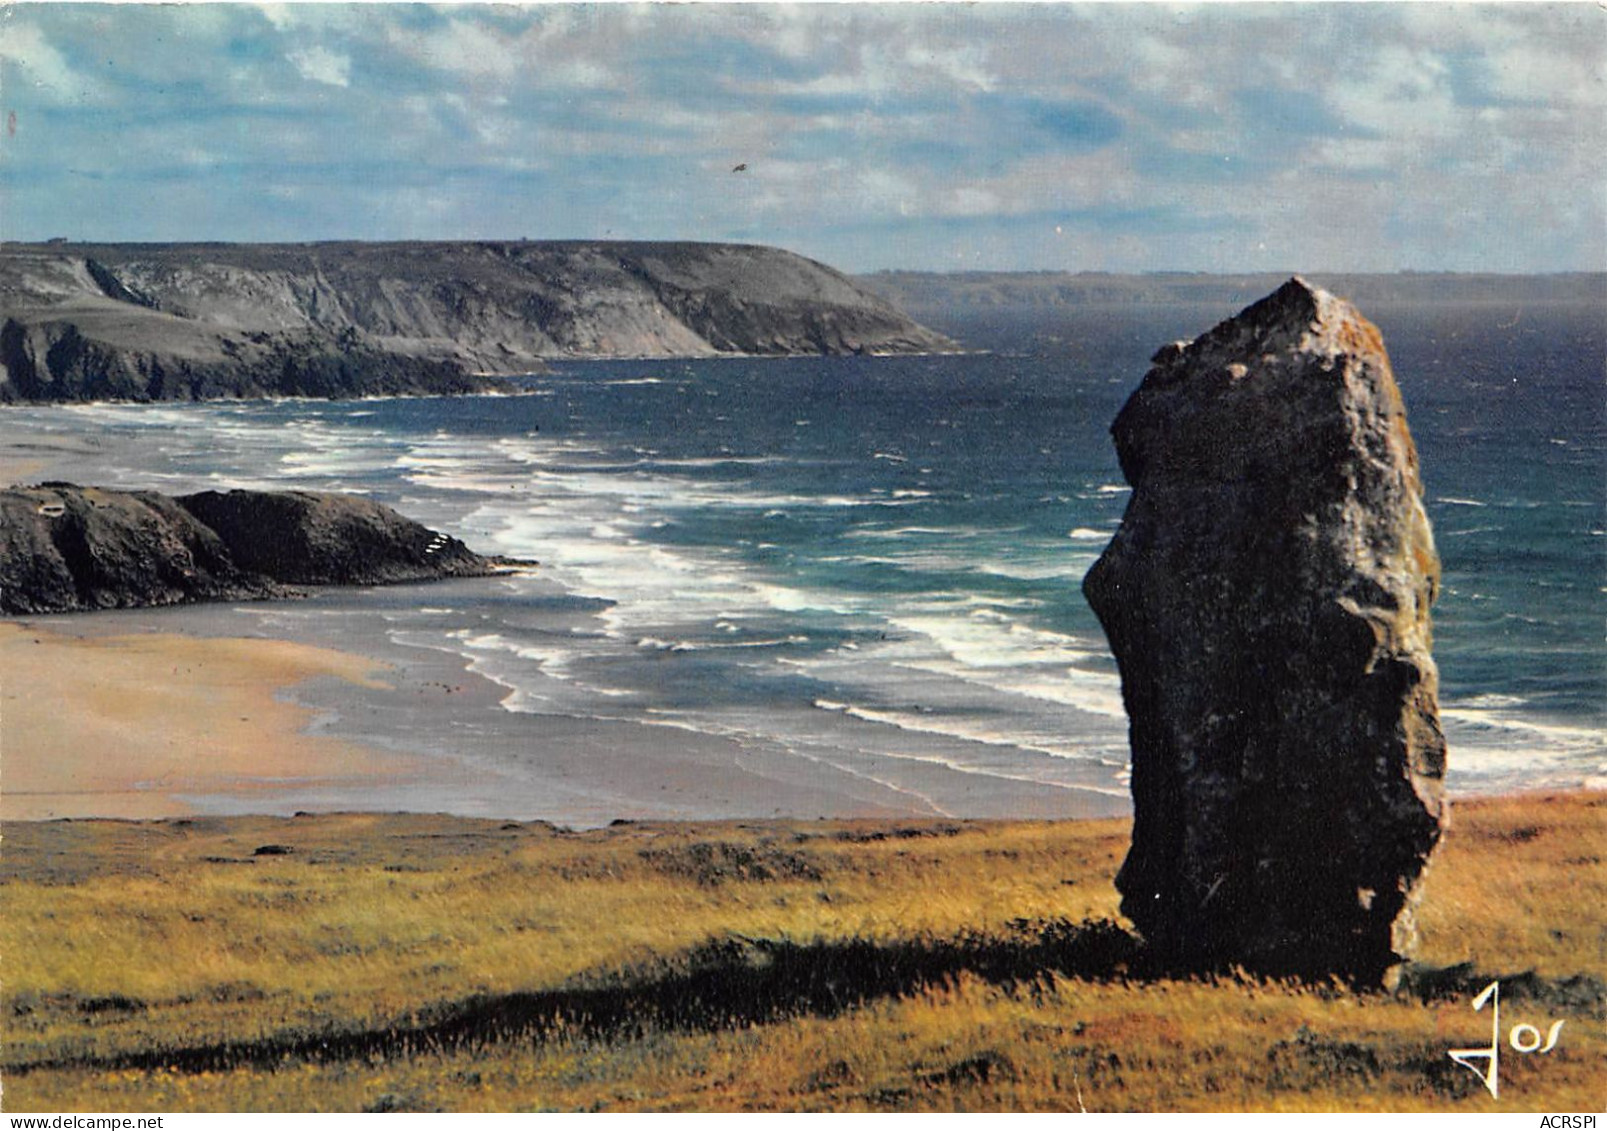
(62,242)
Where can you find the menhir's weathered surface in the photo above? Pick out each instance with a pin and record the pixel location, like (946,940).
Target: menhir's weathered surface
(1267,598)
(65,548)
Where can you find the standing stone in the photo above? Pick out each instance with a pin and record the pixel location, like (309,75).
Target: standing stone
(1267,599)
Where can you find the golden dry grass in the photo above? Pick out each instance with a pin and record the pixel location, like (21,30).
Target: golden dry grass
(426,963)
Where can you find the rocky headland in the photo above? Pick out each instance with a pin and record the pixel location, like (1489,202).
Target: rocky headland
(1267,599)
(65,548)
(148,322)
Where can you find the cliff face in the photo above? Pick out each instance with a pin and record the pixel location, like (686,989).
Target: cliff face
(1267,599)
(65,548)
(190,321)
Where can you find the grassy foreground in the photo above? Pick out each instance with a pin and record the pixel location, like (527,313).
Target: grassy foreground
(355,962)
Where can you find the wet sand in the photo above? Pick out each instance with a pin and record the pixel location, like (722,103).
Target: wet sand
(17,470)
(136,726)
(281,707)
(31,457)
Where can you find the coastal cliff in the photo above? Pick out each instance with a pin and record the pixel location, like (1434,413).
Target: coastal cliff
(201,321)
(65,548)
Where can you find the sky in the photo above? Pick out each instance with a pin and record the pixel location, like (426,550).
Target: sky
(1078,137)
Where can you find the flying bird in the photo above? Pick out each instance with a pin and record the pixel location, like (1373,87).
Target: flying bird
(742,168)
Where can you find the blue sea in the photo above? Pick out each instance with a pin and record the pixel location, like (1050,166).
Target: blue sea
(869,569)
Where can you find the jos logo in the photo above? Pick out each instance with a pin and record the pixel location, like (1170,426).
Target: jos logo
(1524,1038)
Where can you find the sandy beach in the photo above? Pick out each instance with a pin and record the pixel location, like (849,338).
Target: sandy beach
(313,705)
(141,725)
(132,726)
(280,707)
(32,456)
(16,469)
(646,671)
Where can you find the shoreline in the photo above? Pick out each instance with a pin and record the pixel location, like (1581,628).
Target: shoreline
(313,713)
(267,709)
(900,825)
(215,725)
(525,748)
(27,460)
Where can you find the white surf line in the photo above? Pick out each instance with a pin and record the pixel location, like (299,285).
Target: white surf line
(893,787)
(857,713)
(737,736)
(1110,708)
(1486,717)
(980,772)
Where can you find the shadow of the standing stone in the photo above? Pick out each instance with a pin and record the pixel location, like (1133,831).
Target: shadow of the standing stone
(723,984)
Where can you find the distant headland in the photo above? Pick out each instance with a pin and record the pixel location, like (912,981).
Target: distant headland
(164,322)
(957,291)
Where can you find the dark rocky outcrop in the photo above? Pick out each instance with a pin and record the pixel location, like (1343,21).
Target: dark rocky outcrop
(65,548)
(316,538)
(1267,598)
(199,321)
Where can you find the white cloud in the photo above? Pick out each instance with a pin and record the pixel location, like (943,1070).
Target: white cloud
(282,16)
(964,67)
(793,31)
(44,67)
(465,48)
(1530,72)
(1354,154)
(319,64)
(558,50)
(1333,133)
(970,200)
(1400,92)
(576,72)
